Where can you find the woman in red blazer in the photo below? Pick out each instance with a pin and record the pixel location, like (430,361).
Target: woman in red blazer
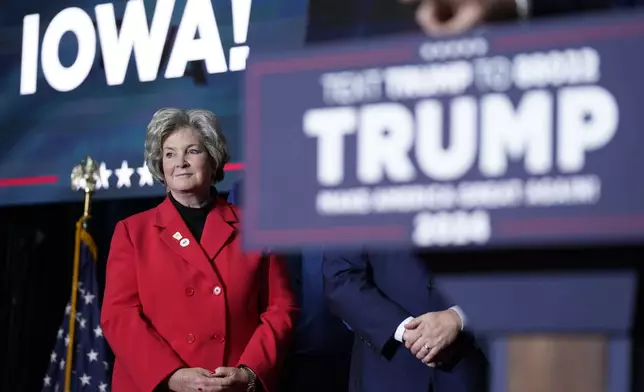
(185,308)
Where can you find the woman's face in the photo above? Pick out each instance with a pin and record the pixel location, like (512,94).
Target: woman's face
(186,163)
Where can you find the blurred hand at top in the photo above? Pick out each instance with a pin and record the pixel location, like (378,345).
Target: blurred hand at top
(444,17)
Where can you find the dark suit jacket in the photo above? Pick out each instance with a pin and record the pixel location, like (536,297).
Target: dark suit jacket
(374,293)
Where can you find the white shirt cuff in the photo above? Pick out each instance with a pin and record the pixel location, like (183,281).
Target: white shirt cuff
(523,8)
(461,314)
(400,331)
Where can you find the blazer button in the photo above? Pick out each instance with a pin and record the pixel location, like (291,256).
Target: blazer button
(190,338)
(219,338)
(190,291)
(216,290)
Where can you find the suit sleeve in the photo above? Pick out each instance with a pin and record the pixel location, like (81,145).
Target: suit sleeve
(541,8)
(144,354)
(267,347)
(352,296)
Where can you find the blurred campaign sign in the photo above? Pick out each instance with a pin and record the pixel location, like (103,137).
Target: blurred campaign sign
(84,77)
(525,134)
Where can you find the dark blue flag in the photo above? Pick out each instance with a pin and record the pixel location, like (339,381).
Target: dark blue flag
(89,370)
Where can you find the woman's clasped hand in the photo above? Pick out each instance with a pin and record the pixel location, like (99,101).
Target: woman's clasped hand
(203,380)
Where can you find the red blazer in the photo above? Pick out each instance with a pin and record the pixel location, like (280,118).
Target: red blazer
(167,305)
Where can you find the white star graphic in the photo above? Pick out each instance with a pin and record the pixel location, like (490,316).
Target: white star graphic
(124,173)
(89,297)
(104,175)
(60,334)
(66,340)
(52,357)
(68,308)
(79,315)
(81,323)
(92,355)
(145,177)
(85,379)
(98,332)
(102,387)
(56,388)
(47,381)
(107,365)
(62,364)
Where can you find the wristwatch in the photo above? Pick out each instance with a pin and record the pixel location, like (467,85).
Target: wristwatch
(252,378)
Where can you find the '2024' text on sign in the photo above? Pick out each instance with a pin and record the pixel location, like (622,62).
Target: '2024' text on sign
(197,39)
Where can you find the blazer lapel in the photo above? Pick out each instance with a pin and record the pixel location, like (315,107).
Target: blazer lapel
(219,228)
(218,232)
(176,235)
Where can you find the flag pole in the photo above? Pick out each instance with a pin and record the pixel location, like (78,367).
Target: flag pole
(84,177)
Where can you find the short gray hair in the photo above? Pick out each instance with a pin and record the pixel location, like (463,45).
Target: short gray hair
(168,120)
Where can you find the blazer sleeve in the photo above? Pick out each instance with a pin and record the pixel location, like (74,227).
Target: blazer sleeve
(144,354)
(352,296)
(267,347)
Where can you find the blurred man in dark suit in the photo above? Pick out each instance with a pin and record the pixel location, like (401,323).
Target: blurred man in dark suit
(320,357)
(410,338)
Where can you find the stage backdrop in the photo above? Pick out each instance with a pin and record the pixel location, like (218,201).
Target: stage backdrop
(85,77)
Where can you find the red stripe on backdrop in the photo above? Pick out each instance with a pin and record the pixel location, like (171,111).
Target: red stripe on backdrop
(24,181)
(236,166)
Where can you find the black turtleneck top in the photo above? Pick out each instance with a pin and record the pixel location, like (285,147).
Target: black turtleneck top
(194,218)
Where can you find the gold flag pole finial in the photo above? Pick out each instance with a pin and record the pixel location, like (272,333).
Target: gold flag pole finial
(85,176)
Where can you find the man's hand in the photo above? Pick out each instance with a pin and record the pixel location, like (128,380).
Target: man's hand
(235,379)
(426,335)
(441,17)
